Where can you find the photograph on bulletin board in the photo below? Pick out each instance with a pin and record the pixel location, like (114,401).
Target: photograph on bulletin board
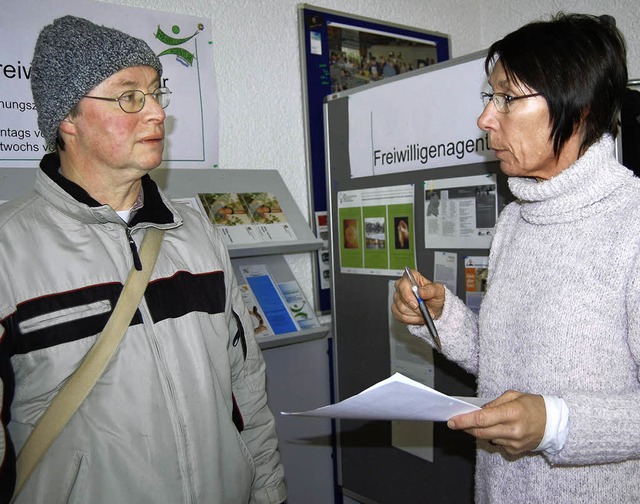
(376,230)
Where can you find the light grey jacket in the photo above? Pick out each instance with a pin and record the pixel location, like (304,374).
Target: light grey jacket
(180,414)
(562,317)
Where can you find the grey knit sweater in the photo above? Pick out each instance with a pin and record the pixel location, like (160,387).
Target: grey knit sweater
(562,317)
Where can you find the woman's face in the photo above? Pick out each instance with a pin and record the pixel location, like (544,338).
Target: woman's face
(521,138)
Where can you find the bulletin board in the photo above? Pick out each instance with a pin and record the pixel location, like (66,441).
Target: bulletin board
(371,469)
(334,47)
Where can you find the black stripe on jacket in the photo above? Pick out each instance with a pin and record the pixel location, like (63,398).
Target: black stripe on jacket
(166,298)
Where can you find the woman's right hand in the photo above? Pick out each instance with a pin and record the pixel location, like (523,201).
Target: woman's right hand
(405,305)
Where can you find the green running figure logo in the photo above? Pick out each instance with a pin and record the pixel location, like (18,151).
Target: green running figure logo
(183,56)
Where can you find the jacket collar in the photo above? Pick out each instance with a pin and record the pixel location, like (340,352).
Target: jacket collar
(156,209)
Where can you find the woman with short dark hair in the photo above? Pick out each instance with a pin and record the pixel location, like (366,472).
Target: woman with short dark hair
(557,338)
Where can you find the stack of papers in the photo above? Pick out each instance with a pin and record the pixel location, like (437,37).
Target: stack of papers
(397,398)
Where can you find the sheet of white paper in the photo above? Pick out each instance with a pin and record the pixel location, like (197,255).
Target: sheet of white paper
(397,398)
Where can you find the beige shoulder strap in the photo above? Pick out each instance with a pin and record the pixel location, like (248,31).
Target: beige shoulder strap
(77,388)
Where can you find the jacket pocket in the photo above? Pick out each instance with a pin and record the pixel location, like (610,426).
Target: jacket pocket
(64,316)
(41,486)
(239,336)
(76,479)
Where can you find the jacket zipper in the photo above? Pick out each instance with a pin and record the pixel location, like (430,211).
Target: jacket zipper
(134,250)
(183,457)
(174,412)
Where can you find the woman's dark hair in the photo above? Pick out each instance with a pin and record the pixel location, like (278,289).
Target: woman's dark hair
(578,63)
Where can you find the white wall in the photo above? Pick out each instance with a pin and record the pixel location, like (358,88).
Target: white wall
(258,67)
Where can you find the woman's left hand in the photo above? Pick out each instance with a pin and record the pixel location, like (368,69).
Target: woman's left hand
(515,421)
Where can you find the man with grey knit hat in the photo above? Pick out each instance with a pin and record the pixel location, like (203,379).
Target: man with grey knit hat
(180,413)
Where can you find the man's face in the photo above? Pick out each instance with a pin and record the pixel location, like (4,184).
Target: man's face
(107,138)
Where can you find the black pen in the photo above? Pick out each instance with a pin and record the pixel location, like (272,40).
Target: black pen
(423,309)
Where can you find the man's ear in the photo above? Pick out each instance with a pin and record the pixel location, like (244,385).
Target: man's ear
(67,126)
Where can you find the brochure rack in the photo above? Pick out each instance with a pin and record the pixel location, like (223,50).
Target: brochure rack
(297,363)
(188,183)
(179,184)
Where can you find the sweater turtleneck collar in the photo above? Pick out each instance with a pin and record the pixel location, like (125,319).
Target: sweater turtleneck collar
(577,192)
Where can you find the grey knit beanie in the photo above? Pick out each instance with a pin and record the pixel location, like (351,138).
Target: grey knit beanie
(71,57)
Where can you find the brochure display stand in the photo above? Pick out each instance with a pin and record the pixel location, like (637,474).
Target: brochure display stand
(189,183)
(15,181)
(261,222)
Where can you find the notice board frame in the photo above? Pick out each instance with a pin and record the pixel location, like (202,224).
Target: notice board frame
(370,469)
(316,85)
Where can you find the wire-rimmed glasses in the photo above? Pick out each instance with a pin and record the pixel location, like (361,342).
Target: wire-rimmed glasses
(502,101)
(133,101)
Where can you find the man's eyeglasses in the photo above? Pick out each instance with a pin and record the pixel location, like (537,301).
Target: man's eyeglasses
(133,101)
(503,101)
